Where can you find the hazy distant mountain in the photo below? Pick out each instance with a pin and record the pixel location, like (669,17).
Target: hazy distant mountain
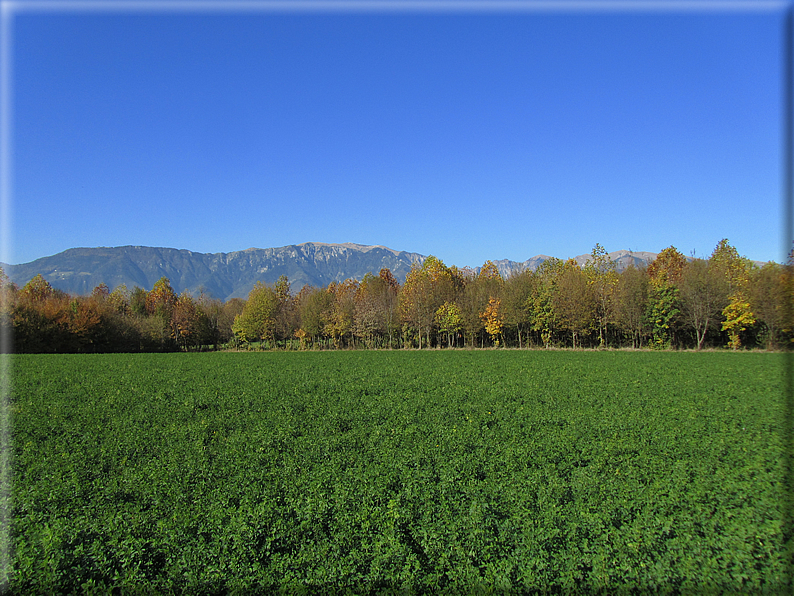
(230,275)
(223,275)
(622,258)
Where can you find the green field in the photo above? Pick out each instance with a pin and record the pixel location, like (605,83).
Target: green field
(398,472)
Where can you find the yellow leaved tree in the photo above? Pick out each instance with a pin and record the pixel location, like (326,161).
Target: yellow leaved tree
(493,319)
(738,313)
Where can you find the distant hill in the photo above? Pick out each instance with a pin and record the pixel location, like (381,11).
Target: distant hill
(232,275)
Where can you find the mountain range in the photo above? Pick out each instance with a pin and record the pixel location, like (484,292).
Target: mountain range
(232,275)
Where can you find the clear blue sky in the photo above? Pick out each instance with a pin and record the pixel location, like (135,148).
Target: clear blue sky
(466,135)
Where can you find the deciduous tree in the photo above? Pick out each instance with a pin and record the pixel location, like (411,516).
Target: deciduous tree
(339,322)
(702,294)
(315,307)
(138,301)
(769,298)
(738,316)
(516,291)
(286,318)
(257,321)
(630,302)
(186,322)
(230,310)
(602,275)
(416,300)
(37,289)
(574,301)
(8,292)
(540,304)
(473,300)
(84,325)
(390,300)
(161,299)
(493,320)
(370,315)
(449,321)
(663,308)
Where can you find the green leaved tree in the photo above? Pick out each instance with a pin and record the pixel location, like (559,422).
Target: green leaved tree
(540,303)
(258,320)
(602,277)
(663,304)
(449,321)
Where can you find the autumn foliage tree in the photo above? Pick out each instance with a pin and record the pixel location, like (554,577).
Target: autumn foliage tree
(575,301)
(38,317)
(630,303)
(473,300)
(702,291)
(516,292)
(186,321)
(672,303)
(426,288)
(770,299)
(602,277)
(311,303)
(161,299)
(737,313)
(286,317)
(339,320)
(49,320)
(8,291)
(373,309)
(389,300)
(493,320)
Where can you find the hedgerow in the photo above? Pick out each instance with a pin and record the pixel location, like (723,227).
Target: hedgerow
(502,472)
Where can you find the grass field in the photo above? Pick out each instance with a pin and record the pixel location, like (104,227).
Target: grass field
(398,472)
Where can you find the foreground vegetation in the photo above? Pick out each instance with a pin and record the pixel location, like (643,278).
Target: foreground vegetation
(725,300)
(419,472)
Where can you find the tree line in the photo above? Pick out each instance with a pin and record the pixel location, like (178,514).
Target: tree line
(673,303)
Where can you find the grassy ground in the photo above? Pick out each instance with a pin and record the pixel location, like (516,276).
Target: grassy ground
(376,472)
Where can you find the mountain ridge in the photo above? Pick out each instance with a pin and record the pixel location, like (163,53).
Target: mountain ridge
(232,275)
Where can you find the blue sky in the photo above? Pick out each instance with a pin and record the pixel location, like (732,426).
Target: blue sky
(469,135)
